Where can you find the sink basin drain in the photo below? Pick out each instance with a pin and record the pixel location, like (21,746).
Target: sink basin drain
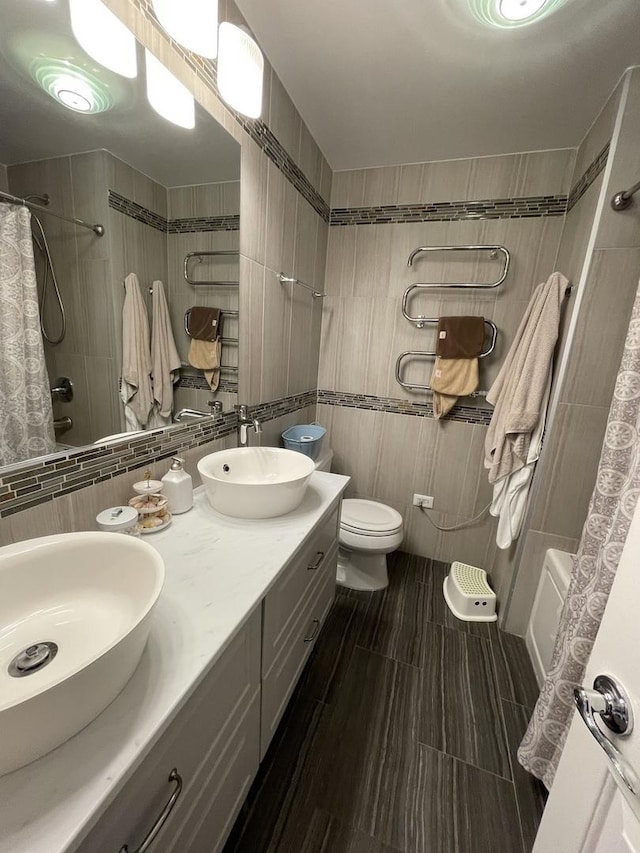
(33,659)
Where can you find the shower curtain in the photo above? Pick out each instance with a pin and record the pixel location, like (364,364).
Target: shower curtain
(26,418)
(604,533)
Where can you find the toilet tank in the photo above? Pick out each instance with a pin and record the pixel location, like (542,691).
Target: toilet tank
(323,462)
(547,607)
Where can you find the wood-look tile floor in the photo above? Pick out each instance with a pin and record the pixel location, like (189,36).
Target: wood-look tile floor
(401,736)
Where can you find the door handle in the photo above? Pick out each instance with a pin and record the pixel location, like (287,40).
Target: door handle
(318,561)
(608,699)
(174,776)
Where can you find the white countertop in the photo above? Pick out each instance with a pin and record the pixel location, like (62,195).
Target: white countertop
(217,570)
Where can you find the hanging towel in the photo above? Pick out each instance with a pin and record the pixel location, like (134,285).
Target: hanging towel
(452,378)
(165,360)
(135,390)
(518,392)
(510,493)
(205,328)
(204,324)
(460,337)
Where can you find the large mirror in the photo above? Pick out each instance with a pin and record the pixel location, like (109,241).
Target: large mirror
(79,141)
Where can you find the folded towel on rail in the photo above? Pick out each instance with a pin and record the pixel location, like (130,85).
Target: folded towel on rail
(452,378)
(164,358)
(518,393)
(135,388)
(205,355)
(460,337)
(204,324)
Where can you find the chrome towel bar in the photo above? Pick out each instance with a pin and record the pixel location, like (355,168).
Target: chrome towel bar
(415,387)
(284,279)
(197,257)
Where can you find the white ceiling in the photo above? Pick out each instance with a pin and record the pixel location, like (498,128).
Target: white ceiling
(381,82)
(34,127)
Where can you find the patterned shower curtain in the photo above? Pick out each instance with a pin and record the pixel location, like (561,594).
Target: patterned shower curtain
(26,419)
(604,533)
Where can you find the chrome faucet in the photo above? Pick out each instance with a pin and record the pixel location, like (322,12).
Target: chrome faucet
(189,413)
(245,423)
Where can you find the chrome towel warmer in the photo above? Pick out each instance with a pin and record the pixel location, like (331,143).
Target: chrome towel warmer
(421,321)
(197,257)
(232,341)
(494,251)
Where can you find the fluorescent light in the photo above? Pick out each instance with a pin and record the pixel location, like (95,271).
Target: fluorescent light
(519,10)
(103,36)
(167,95)
(240,70)
(193,23)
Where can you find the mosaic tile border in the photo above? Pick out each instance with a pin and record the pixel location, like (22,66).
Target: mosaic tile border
(273,409)
(171,226)
(199,383)
(40,481)
(448,211)
(589,176)
(257,129)
(397,406)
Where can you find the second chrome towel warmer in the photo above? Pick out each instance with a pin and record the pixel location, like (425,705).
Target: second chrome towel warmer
(197,258)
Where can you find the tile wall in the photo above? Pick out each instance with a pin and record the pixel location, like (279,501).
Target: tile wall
(4,181)
(608,269)
(388,453)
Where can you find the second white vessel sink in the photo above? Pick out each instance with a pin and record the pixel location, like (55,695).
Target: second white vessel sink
(74,621)
(255,482)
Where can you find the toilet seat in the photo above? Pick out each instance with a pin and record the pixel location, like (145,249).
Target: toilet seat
(369,518)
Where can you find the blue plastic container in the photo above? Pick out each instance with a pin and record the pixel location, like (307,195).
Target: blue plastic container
(305,438)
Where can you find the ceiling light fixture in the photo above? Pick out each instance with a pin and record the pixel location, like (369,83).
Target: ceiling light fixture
(240,70)
(103,36)
(193,23)
(71,86)
(167,95)
(507,14)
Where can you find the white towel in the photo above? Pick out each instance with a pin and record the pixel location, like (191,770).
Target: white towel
(136,391)
(519,388)
(164,359)
(510,493)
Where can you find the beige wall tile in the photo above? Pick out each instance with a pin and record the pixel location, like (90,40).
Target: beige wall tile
(4,178)
(309,157)
(543,172)
(347,188)
(251,330)
(283,118)
(598,135)
(600,333)
(253,202)
(570,464)
(535,546)
(282,203)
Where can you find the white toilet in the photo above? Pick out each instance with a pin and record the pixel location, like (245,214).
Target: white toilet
(368,532)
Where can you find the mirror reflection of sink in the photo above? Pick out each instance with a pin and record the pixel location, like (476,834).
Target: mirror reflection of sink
(255,482)
(74,620)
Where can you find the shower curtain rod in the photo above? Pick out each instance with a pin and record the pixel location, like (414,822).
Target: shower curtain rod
(98,229)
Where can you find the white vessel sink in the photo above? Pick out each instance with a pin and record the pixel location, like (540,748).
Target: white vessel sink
(255,482)
(74,620)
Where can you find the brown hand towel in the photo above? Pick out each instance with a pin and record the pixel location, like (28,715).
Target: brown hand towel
(460,337)
(452,378)
(204,324)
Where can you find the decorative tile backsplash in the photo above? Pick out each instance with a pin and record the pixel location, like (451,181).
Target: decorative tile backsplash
(171,226)
(284,406)
(396,406)
(39,481)
(199,383)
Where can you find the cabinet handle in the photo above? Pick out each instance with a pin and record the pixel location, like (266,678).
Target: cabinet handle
(314,633)
(319,559)
(174,776)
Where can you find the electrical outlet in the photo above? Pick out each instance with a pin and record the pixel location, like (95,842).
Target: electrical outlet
(425,501)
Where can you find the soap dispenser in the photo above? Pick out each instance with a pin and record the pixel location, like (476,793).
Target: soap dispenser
(177,487)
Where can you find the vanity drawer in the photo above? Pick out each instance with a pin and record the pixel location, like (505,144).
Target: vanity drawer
(192,744)
(279,682)
(283,603)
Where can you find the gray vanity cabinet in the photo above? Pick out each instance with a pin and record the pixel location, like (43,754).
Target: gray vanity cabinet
(213,743)
(189,789)
(294,611)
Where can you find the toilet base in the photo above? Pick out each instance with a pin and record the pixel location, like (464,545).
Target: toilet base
(367,572)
